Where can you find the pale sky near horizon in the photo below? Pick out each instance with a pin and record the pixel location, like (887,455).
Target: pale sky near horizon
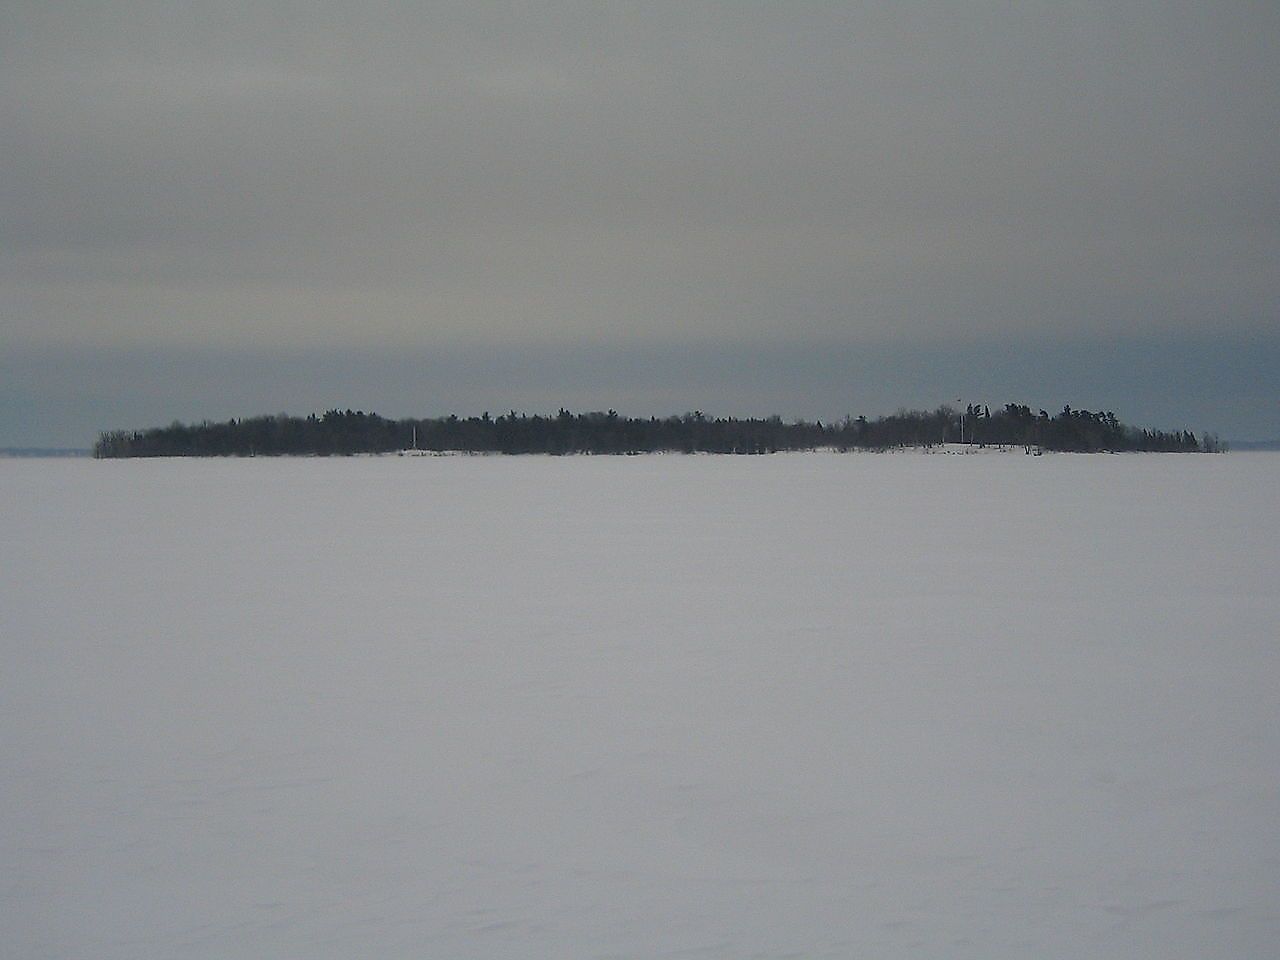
(224,209)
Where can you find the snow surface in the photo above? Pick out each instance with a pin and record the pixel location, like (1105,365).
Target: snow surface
(810,705)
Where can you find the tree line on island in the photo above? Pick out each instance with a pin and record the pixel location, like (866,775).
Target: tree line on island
(345,432)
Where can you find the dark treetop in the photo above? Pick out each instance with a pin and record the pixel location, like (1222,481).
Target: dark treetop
(351,432)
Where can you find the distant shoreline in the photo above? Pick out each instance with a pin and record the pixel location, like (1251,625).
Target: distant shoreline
(347,432)
(1254,444)
(36,452)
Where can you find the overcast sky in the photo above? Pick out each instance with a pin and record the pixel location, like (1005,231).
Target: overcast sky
(222,209)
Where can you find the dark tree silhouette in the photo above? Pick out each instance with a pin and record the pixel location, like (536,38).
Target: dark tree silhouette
(344,432)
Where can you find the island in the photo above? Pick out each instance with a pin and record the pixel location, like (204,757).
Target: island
(348,432)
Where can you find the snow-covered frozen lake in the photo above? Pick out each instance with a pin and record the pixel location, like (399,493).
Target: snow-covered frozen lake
(810,705)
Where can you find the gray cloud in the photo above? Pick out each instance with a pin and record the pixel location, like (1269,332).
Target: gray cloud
(426,177)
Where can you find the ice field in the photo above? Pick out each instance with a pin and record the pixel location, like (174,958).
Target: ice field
(803,705)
